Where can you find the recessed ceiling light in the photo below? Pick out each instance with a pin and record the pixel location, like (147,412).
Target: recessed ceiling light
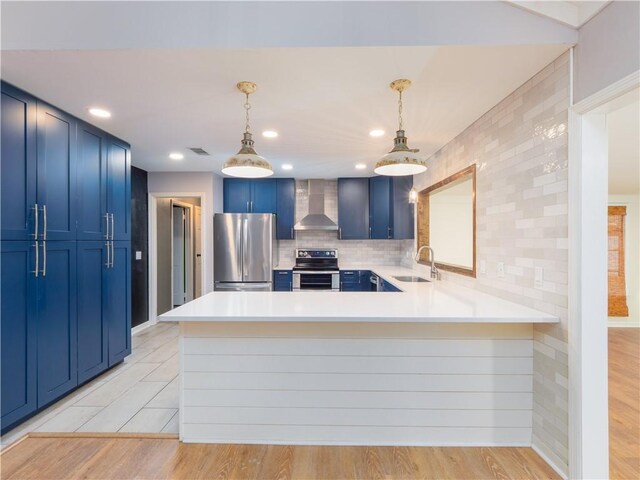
(360,166)
(99,112)
(176,156)
(270,134)
(376,133)
(287,166)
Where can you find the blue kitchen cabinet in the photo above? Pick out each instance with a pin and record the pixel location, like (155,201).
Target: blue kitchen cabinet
(282,280)
(92,183)
(92,325)
(56,172)
(18,163)
(365,280)
(390,213)
(263,196)
(18,395)
(118,302)
(119,188)
(285,208)
(349,280)
(236,195)
(353,208)
(387,286)
(57,321)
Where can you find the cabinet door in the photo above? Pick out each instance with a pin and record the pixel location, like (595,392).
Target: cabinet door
(380,207)
(119,188)
(353,208)
(17,331)
(57,322)
(56,173)
(92,183)
(18,163)
(286,208)
(263,196)
(282,280)
(237,195)
(403,216)
(92,327)
(118,302)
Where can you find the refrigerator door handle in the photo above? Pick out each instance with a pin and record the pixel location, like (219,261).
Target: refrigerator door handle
(245,247)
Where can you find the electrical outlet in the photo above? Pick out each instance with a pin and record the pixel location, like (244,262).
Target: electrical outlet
(138,255)
(501,269)
(483,267)
(538,281)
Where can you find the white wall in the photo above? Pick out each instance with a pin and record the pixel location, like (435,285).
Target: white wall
(632,259)
(210,185)
(607,48)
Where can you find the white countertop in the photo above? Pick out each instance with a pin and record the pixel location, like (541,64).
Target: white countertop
(433,302)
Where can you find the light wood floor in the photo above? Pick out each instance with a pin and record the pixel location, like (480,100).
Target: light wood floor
(624,403)
(128,458)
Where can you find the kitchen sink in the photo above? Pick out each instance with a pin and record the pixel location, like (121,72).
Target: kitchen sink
(410,278)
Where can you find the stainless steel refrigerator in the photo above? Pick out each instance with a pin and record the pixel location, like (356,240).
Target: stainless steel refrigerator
(244,251)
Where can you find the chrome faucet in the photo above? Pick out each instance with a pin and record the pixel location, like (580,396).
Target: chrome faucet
(435,274)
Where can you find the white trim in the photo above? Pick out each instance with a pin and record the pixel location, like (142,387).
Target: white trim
(549,462)
(622,324)
(153,232)
(142,327)
(588,192)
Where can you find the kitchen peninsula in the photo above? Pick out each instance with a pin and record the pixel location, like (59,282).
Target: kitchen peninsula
(434,364)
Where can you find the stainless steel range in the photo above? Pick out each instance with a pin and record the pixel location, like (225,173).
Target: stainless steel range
(316,269)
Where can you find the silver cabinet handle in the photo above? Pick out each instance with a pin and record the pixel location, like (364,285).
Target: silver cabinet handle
(37,270)
(248,208)
(113,252)
(112,228)
(283,272)
(35,221)
(251,206)
(291,232)
(369,232)
(388,232)
(106,220)
(339,233)
(44,258)
(44,223)
(108,255)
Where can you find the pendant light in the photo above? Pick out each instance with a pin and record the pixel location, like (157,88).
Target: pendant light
(247,163)
(401,160)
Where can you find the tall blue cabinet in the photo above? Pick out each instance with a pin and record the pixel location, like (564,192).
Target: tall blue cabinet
(65,252)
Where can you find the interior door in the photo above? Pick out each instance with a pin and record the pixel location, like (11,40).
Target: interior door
(257,247)
(178,253)
(198,252)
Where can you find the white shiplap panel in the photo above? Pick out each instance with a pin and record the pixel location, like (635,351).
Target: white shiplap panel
(353,382)
(363,364)
(360,347)
(355,330)
(354,435)
(358,417)
(350,399)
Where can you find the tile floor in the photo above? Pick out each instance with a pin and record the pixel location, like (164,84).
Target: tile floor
(139,395)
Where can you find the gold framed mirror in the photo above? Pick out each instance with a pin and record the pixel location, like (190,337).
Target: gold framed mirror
(447,222)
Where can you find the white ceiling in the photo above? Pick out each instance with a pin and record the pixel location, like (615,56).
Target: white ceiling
(322,101)
(623,126)
(572,13)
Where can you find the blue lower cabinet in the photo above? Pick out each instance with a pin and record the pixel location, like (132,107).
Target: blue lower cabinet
(349,281)
(57,348)
(388,287)
(282,280)
(365,280)
(18,397)
(92,326)
(118,302)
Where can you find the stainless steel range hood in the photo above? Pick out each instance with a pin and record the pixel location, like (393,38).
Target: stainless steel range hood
(316,219)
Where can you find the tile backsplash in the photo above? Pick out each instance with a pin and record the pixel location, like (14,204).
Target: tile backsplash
(350,252)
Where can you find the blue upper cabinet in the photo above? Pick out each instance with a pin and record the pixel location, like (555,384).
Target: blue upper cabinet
(390,213)
(237,195)
(119,188)
(285,208)
(91,183)
(18,163)
(353,208)
(56,173)
(263,196)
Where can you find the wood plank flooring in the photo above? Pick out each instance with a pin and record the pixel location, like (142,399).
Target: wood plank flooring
(53,457)
(624,403)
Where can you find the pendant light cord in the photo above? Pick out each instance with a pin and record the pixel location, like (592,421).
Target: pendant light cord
(247,107)
(400,110)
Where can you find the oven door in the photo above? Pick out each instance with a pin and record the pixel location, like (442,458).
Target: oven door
(316,281)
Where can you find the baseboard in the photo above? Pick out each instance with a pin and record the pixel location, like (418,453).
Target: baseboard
(622,324)
(549,462)
(143,326)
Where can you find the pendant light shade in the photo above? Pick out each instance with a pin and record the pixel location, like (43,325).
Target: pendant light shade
(401,160)
(247,163)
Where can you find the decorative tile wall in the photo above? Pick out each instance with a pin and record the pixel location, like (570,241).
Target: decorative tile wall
(520,149)
(350,252)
